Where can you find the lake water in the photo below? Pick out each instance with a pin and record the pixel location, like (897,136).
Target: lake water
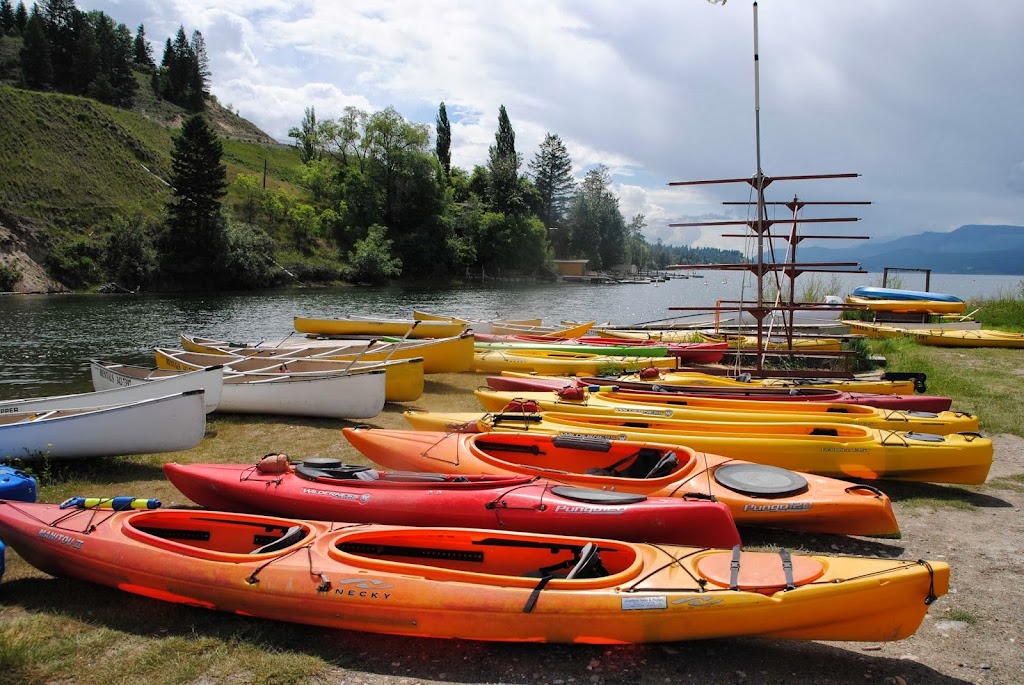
(46,341)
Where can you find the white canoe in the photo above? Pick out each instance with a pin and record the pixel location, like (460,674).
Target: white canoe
(209,380)
(162,424)
(336,396)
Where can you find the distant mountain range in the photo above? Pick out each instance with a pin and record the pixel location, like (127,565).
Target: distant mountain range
(971,249)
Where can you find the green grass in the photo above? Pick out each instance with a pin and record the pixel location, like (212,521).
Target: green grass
(985,382)
(1014,482)
(1005,311)
(962,615)
(69,164)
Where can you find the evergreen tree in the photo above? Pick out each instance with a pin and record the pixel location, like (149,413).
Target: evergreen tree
(20,18)
(142,52)
(199,78)
(85,63)
(61,17)
(36,67)
(193,246)
(116,59)
(552,175)
(443,147)
(7,21)
(596,226)
(503,163)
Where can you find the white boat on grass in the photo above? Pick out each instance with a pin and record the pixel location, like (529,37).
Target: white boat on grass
(161,424)
(334,396)
(208,380)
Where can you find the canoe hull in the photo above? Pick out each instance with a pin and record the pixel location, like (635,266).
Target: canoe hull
(163,424)
(404,378)
(377,327)
(440,355)
(468,583)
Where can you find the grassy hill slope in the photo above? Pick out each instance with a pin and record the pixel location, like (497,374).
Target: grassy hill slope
(69,164)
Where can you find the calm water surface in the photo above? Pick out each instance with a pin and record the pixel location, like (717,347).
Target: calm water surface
(46,341)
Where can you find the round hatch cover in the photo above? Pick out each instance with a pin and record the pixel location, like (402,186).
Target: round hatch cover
(760,480)
(594,496)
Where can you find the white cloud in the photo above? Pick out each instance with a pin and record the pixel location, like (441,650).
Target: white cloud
(919,96)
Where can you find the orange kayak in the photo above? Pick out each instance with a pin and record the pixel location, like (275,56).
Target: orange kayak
(471,583)
(758,495)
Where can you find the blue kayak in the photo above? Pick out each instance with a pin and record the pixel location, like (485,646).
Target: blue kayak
(895,294)
(17,485)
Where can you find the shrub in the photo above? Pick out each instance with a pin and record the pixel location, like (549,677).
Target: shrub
(372,260)
(75,261)
(130,257)
(9,277)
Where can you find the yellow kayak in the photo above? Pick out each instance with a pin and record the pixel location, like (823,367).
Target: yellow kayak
(903,306)
(829,449)
(942,337)
(555,362)
(605,401)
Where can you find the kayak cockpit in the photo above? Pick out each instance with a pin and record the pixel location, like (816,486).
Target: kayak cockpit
(488,557)
(215,535)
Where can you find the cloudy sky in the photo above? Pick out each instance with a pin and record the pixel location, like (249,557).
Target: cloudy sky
(923,98)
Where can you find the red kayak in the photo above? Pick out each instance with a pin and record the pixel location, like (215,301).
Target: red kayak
(326,489)
(694,352)
(929,403)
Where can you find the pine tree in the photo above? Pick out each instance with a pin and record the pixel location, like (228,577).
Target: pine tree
(141,49)
(443,146)
(36,67)
(61,16)
(503,163)
(21,18)
(193,245)
(85,63)
(552,175)
(199,79)
(7,21)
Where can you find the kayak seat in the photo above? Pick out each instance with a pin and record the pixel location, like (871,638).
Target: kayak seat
(342,472)
(666,465)
(290,537)
(641,464)
(589,564)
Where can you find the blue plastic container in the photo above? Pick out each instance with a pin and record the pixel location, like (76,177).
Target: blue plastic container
(17,485)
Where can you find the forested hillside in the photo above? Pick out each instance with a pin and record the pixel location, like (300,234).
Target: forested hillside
(114,168)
